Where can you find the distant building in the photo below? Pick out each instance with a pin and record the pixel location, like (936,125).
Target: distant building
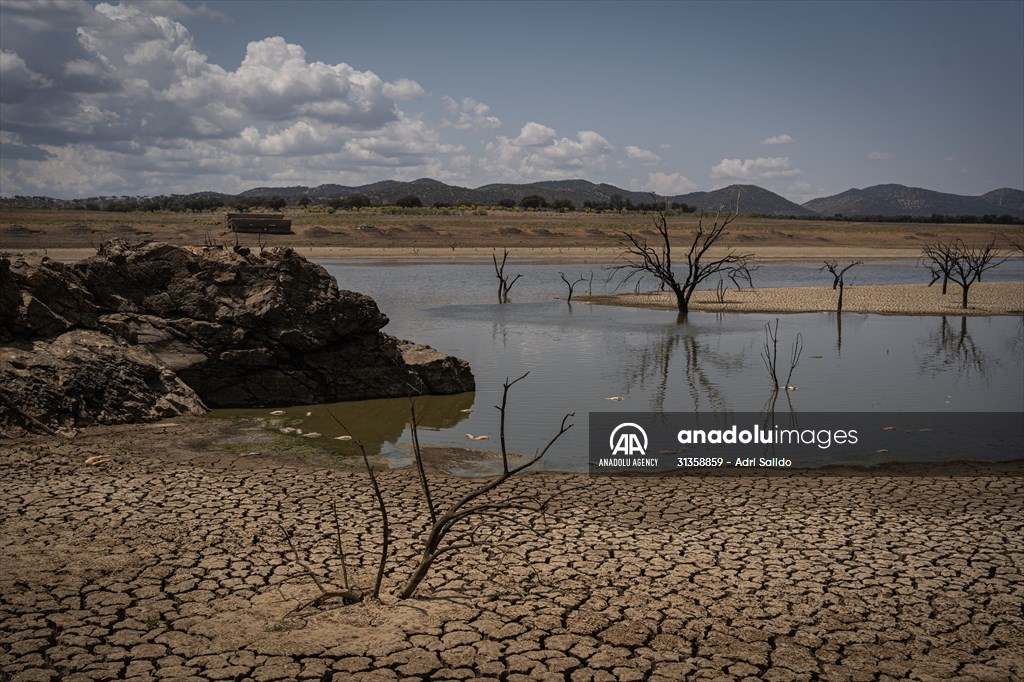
(259,223)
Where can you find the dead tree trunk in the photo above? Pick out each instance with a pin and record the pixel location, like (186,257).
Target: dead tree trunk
(504,283)
(839,280)
(571,285)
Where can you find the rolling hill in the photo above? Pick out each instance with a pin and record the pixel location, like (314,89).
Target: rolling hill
(895,200)
(878,200)
(752,199)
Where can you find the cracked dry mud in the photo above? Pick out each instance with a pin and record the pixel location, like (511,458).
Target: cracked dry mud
(166,563)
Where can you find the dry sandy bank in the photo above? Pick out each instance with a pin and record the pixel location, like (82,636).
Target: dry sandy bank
(553,254)
(986,298)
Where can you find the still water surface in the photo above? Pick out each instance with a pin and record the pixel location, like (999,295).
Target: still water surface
(580,355)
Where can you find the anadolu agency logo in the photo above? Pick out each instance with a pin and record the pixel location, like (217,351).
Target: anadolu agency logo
(629,440)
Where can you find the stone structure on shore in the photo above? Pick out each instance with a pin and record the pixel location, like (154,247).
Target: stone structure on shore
(147,331)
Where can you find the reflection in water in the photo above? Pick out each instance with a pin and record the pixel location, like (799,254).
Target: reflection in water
(652,369)
(839,335)
(949,348)
(374,422)
(499,332)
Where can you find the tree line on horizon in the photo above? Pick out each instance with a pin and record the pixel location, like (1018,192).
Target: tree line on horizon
(200,203)
(242,203)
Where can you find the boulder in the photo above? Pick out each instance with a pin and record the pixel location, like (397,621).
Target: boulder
(237,328)
(85,377)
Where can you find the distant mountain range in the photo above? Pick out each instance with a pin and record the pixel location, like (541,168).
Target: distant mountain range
(885,200)
(879,200)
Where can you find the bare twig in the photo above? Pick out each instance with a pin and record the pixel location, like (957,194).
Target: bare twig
(770,352)
(347,596)
(794,358)
(418,456)
(340,549)
(386,531)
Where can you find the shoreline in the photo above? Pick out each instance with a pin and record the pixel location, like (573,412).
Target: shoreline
(539,254)
(986,298)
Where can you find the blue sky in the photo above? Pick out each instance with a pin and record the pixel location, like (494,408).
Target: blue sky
(805,99)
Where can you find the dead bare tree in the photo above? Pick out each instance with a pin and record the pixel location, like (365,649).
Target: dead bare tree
(770,355)
(643,259)
(504,283)
(571,285)
(969,263)
(839,277)
(458,527)
(473,505)
(939,259)
(1016,242)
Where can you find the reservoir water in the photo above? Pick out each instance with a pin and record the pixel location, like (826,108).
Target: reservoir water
(580,355)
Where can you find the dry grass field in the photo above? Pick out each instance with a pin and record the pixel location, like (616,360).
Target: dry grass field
(432,233)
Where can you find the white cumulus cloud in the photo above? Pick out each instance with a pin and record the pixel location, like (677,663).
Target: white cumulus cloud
(535,135)
(641,155)
(881,156)
(472,115)
(135,106)
(760,168)
(539,153)
(670,183)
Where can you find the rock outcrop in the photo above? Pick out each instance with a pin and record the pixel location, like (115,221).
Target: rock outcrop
(140,332)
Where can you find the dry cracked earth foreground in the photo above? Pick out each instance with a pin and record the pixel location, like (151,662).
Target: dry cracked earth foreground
(166,563)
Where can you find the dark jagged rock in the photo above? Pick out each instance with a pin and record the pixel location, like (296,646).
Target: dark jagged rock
(239,329)
(85,377)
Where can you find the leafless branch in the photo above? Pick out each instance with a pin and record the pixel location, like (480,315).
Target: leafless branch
(418,456)
(386,529)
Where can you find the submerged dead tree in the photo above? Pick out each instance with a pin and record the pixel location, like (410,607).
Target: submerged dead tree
(838,275)
(572,284)
(770,355)
(505,282)
(643,259)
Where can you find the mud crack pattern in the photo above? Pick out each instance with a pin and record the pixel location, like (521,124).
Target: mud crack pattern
(166,563)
